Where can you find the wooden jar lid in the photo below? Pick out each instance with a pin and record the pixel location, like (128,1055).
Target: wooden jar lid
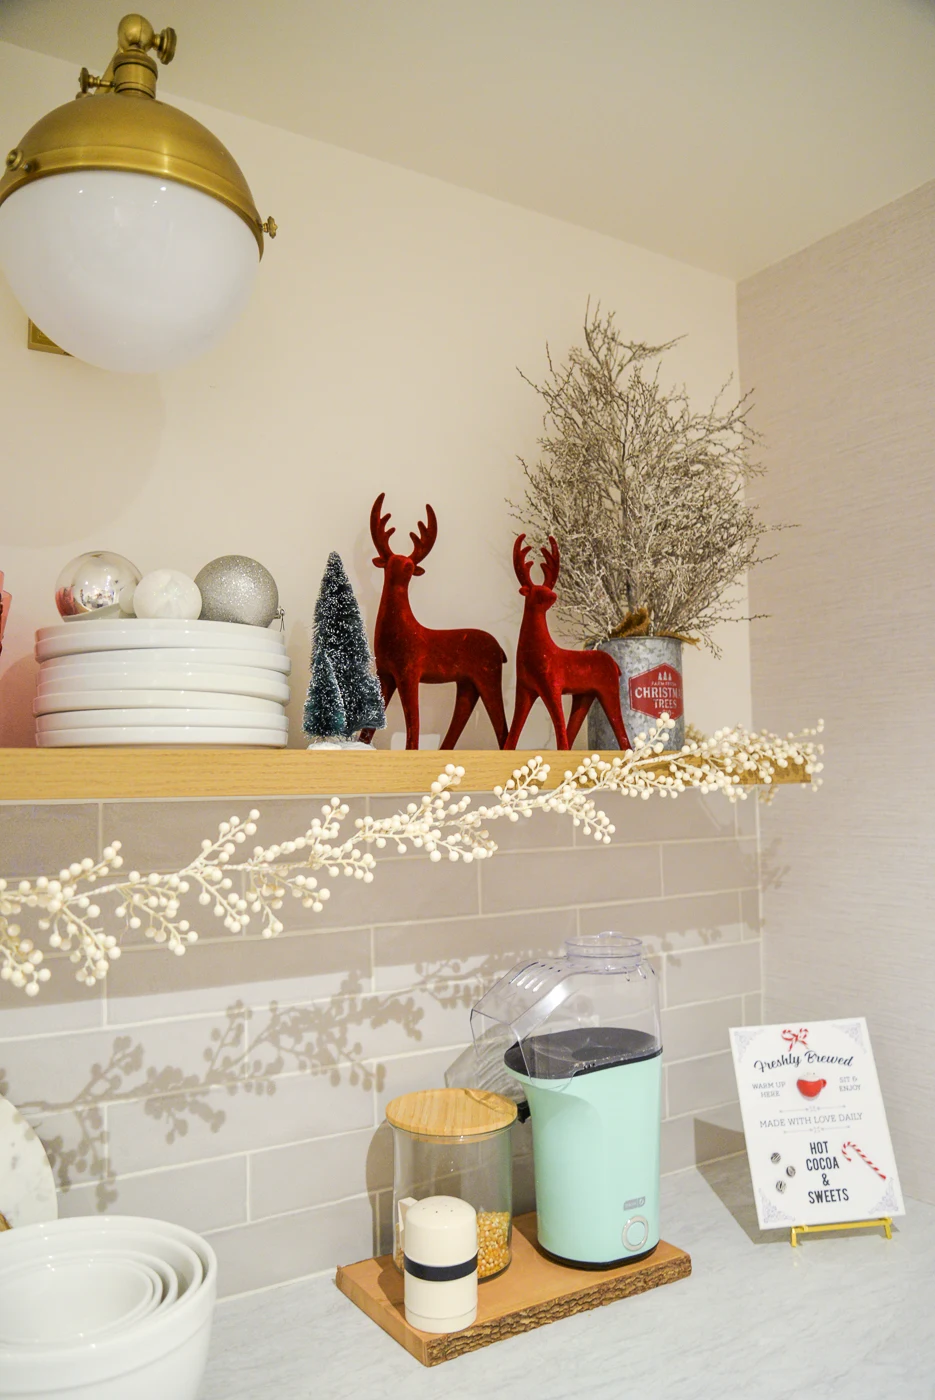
(451,1113)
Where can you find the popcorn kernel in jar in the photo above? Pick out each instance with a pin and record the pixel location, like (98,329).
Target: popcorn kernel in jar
(493,1242)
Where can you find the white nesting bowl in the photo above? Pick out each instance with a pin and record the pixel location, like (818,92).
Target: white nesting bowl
(74,1299)
(166,1282)
(162,1357)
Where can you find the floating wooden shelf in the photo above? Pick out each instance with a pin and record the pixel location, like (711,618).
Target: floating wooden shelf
(45,775)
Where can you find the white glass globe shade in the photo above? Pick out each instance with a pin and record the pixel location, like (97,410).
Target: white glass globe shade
(128,272)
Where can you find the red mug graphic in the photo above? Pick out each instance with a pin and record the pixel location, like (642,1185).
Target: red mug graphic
(810,1088)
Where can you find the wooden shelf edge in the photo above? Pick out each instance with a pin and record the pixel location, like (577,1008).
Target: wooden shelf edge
(94,774)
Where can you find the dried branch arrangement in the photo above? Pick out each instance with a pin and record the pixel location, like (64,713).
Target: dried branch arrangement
(69,908)
(644,494)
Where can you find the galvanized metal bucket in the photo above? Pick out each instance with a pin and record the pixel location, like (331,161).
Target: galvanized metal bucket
(650,686)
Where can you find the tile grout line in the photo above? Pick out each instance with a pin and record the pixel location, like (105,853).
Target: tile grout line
(290,1076)
(330,929)
(429,987)
(248,1153)
(299,1210)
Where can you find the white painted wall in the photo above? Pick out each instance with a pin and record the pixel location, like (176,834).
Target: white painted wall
(838,344)
(379,352)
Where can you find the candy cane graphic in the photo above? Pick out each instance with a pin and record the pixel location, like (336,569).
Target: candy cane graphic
(863,1156)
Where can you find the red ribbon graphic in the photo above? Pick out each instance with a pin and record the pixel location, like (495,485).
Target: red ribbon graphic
(799,1037)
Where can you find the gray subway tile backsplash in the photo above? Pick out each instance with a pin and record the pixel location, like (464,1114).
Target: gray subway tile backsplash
(240,1089)
(40,838)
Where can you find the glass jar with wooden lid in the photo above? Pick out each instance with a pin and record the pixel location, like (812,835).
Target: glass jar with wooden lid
(456,1142)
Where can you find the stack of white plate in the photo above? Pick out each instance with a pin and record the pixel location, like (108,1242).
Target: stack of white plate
(115,1308)
(160,681)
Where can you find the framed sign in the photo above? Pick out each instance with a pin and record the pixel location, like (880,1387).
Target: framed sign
(817,1139)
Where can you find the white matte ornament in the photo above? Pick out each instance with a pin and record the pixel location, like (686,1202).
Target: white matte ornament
(167,593)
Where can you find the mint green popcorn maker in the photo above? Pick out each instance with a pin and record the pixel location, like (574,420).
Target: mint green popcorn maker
(579,1037)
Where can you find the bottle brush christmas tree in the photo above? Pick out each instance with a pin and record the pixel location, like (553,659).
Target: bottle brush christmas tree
(343,694)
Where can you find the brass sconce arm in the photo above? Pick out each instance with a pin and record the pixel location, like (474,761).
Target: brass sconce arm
(132,70)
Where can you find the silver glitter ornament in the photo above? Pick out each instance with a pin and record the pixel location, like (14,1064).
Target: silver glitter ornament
(235,588)
(94,580)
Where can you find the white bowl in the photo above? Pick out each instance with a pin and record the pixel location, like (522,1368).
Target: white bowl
(246,681)
(165,715)
(101,658)
(161,1358)
(164,1277)
(73,1299)
(166,736)
(50,702)
(111,633)
(130,1236)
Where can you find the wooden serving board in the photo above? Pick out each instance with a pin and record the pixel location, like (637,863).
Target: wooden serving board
(534,1290)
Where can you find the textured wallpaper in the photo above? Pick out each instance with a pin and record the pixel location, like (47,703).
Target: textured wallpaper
(838,346)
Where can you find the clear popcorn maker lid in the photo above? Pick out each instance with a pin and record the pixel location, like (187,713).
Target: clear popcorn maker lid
(592,1009)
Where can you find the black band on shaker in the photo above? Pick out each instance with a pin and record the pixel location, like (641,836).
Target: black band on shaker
(439,1273)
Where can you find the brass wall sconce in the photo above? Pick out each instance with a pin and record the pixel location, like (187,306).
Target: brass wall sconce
(127,230)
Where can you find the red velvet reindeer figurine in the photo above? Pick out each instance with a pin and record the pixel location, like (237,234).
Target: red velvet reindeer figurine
(408,654)
(547,672)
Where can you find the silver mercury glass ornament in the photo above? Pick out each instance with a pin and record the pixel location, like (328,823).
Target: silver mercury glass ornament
(92,581)
(235,588)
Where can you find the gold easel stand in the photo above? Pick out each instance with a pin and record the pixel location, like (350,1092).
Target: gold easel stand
(885,1222)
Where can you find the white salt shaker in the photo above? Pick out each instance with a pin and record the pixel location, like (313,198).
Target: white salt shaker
(439,1243)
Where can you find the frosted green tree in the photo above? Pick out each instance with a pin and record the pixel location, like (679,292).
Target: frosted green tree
(344,693)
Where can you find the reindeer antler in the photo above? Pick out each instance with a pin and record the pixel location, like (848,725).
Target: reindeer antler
(423,541)
(379,533)
(550,562)
(521,561)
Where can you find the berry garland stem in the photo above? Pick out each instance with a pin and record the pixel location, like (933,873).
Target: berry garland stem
(69,907)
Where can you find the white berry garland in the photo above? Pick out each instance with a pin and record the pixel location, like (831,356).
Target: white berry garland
(69,908)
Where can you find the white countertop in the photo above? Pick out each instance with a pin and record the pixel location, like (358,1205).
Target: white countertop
(843,1315)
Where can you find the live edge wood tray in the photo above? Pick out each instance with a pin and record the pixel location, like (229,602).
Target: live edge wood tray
(533,1291)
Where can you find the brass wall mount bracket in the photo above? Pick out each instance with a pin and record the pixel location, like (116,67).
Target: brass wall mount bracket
(38,340)
(131,70)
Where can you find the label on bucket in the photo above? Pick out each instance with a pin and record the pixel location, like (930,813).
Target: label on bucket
(657,692)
